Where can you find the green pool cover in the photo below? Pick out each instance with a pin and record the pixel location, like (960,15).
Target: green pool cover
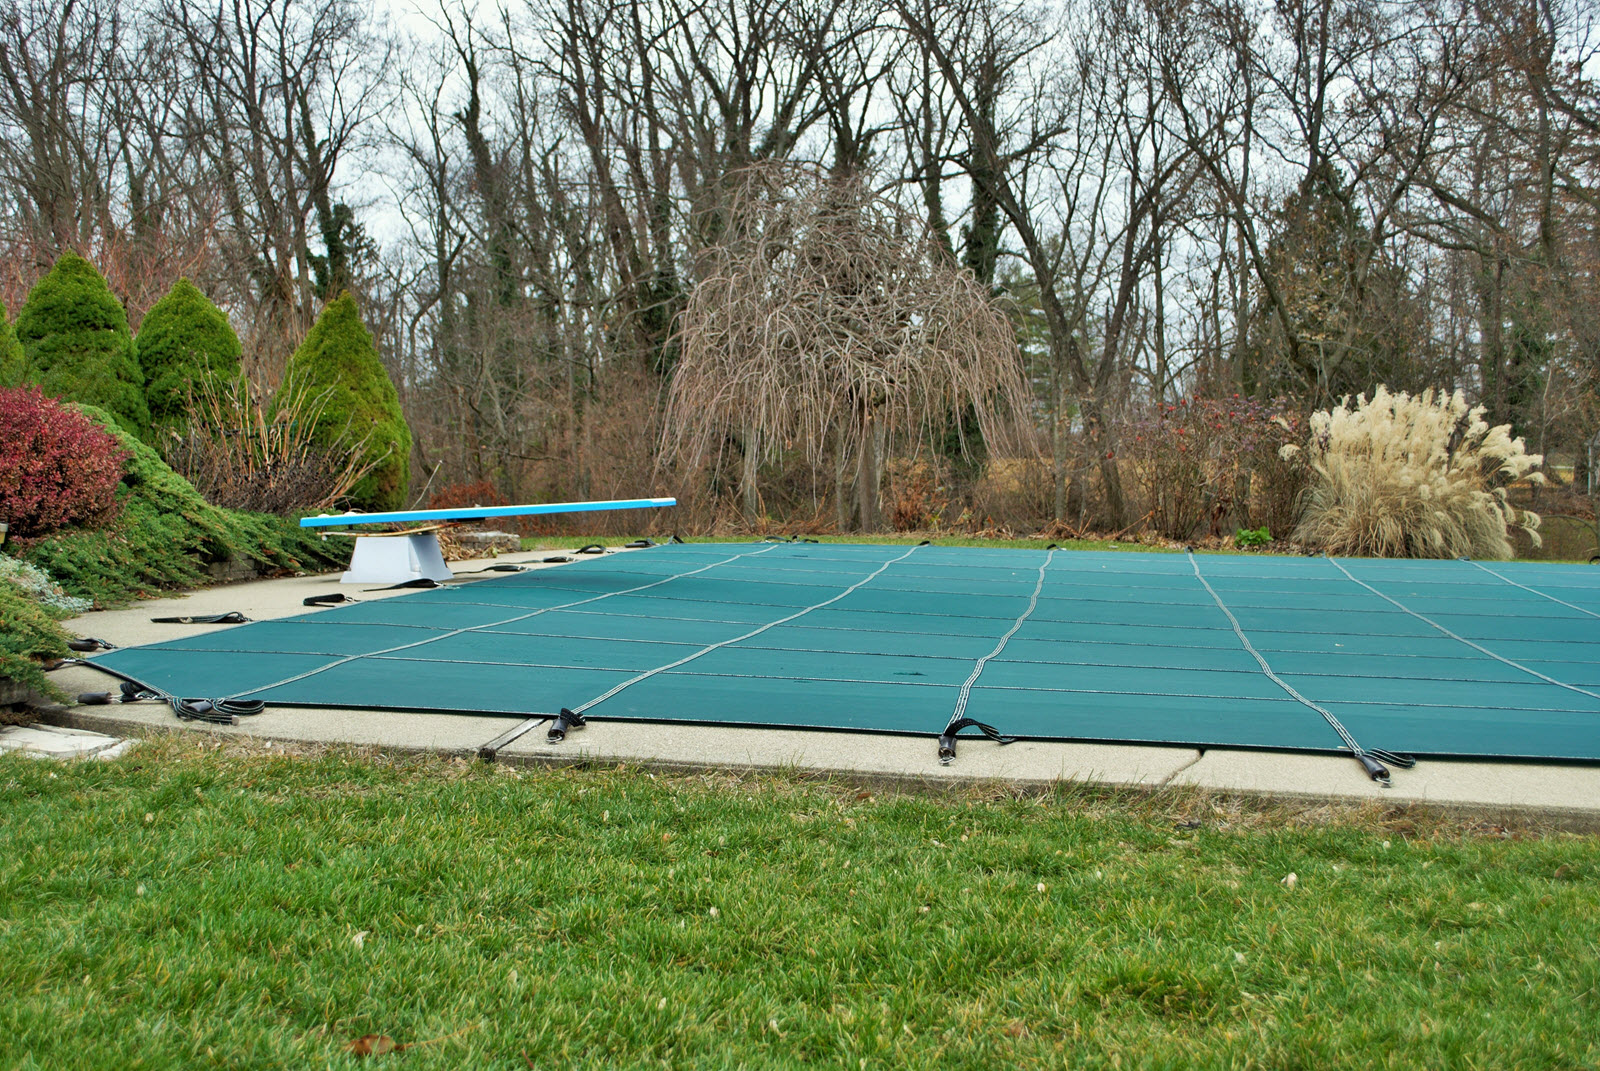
(1437,658)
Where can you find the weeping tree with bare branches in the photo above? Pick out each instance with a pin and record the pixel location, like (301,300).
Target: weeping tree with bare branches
(828,318)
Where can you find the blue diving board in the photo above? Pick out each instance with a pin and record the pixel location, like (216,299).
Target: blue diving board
(474,513)
(393,558)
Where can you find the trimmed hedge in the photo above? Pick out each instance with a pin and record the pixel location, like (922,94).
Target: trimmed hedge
(75,335)
(168,535)
(184,343)
(338,359)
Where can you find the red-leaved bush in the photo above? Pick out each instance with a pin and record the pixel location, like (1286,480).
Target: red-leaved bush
(57,467)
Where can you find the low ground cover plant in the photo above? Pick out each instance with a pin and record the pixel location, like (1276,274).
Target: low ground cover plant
(1413,476)
(30,607)
(167,535)
(187,906)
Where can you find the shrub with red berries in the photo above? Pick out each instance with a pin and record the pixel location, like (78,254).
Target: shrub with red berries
(57,467)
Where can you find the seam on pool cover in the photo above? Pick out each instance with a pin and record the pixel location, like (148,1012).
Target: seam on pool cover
(972,678)
(1075,600)
(1054,689)
(754,632)
(494,624)
(1462,639)
(1536,591)
(1338,726)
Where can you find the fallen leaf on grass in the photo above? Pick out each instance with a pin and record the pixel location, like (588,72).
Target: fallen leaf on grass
(378,1044)
(374,1045)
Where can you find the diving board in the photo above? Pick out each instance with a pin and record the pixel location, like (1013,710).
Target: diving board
(397,557)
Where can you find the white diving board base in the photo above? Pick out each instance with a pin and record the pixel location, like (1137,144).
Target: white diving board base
(396,559)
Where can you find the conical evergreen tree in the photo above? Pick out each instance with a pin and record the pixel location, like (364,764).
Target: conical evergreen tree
(13,364)
(338,359)
(78,346)
(184,343)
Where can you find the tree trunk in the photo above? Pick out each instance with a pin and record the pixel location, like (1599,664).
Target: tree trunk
(867,476)
(841,510)
(752,466)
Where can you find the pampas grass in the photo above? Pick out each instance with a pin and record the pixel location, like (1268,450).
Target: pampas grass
(1413,476)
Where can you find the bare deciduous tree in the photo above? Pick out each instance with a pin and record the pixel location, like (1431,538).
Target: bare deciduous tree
(828,316)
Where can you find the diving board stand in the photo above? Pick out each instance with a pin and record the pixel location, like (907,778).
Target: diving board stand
(395,557)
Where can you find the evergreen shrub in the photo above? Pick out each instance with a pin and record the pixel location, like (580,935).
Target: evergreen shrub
(184,344)
(339,363)
(13,363)
(57,467)
(75,335)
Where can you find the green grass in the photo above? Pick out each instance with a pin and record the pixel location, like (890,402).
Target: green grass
(193,907)
(1562,554)
(893,539)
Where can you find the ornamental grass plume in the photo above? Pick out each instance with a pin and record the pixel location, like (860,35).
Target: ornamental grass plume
(1413,476)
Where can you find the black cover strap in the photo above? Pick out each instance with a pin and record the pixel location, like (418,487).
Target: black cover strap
(232,617)
(333,598)
(419,582)
(89,643)
(947,739)
(215,711)
(592,548)
(567,719)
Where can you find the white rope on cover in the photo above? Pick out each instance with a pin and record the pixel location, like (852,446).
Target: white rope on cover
(977,670)
(1462,639)
(1524,587)
(647,674)
(496,624)
(1338,726)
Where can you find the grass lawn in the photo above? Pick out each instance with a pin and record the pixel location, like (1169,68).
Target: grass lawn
(1565,546)
(194,906)
(894,539)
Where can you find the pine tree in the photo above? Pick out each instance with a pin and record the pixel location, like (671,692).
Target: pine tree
(1349,308)
(75,336)
(339,363)
(13,364)
(184,344)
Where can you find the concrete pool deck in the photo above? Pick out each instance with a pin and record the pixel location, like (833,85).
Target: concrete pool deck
(1568,794)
